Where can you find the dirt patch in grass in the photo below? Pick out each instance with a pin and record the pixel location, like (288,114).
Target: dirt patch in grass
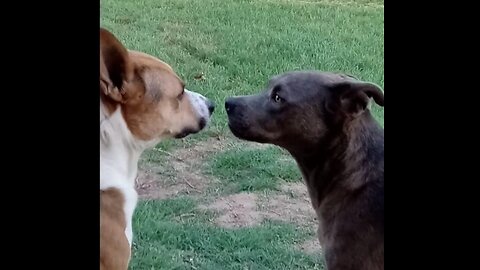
(311,246)
(236,211)
(249,209)
(180,172)
(291,205)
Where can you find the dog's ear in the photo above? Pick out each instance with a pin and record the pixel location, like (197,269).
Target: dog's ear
(352,97)
(115,67)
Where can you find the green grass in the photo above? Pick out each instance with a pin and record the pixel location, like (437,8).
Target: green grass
(164,240)
(250,169)
(238,45)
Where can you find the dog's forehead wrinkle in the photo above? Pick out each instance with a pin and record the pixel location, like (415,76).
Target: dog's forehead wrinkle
(159,81)
(155,94)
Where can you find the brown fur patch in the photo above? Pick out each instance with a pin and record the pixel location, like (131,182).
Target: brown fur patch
(114,246)
(147,89)
(155,103)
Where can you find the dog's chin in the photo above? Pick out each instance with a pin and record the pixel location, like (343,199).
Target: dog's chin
(244,133)
(184,134)
(202,123)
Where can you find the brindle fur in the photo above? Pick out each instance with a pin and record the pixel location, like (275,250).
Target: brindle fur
(323,120)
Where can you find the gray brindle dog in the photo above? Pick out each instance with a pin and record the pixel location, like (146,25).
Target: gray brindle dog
(322,119)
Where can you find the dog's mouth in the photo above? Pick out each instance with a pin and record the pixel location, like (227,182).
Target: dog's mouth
(240,122)
(242,131)
(183,134)
(236,130)
(188,131)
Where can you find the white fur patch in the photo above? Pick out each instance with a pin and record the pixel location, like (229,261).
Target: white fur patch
(199,104)
(119,154)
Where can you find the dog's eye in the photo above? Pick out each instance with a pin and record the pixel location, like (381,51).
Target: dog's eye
(181,94)
(277,98)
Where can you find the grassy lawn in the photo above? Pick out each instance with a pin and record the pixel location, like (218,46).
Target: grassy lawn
(207,197)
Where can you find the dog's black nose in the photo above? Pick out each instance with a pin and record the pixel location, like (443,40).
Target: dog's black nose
(211,106)
(229,105)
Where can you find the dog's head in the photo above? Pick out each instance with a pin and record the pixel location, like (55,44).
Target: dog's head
(152,98)
(300,107)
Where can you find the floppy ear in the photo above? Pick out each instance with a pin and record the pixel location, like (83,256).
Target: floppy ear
(352,97)
(115,67)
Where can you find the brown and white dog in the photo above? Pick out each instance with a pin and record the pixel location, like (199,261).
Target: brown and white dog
(142,101)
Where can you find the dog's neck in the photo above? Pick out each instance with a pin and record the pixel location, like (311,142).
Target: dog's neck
(119,151)
(335,162)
